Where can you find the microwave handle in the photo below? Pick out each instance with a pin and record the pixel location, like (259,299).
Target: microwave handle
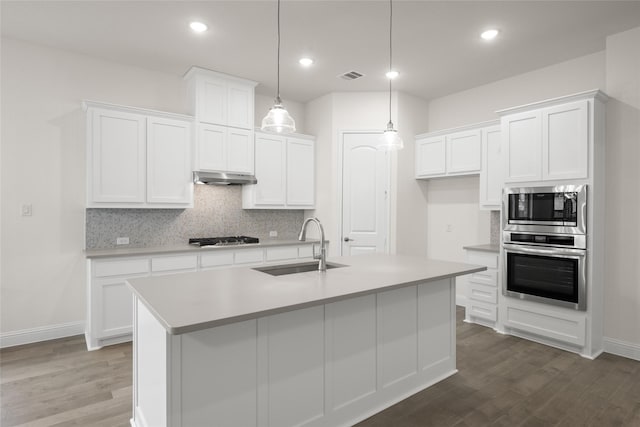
(541,250)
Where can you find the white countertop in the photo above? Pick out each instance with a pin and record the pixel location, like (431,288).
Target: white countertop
(193,301)
(186,248)
(485,248)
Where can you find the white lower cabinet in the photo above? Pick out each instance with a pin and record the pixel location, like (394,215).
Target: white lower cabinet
(559,325)
(332,364)
(483,289)
(109,300)
(285,170)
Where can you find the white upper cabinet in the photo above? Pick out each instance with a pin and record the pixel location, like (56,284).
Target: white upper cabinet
(450,152)
(137,158)
(430,156)
(285,170)
(522,136)
(565,141)
(224,149)
(464,150)
(116,162)
(168,161)
(491,174)
(224,109)
(300,173)
(271,158)
(221,99)
(550,140)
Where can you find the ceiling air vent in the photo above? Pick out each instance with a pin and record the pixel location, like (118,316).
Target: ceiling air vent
(351,75)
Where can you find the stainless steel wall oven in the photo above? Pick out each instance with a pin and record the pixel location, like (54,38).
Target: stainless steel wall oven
(544,242)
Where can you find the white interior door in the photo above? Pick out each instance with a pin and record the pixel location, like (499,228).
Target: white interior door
(365,194)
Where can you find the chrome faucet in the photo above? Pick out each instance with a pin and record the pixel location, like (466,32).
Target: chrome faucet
(322,256)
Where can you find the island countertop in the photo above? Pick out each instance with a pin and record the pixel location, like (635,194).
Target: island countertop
(193,301)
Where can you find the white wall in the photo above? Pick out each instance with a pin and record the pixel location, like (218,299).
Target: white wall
(331,114)
(411,201)
(622,231)
(617,72)
(43,164)
(480,103)
(454,201)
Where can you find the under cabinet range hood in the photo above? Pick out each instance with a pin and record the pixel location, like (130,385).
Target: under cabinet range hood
(223,178)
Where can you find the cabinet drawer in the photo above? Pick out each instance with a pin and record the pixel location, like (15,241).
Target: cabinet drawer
(306,251)
(559,325)
(249,256)
(487,277)
(490,259)
(173,263)
(483,293)
(286,252)
(126,267)
(216,259)
(482,310)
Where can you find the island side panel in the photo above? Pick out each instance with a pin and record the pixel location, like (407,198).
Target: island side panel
(327,365)
(150,357)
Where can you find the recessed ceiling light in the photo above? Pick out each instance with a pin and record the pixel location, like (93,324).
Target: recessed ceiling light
(489,34)
(198,27)
(306,62)
(392,74)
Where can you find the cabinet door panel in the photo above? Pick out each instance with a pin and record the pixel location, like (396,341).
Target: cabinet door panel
(430,157)
(270,171)
(491,172)
(240,104)
(212,102)
(300,173)
(212,153)
(116,308)
(522,138)
(565,141)
(118,157)
(168,161)
(463,152)
(239,151)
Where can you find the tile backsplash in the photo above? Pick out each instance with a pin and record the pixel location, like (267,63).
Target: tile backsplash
(217,211)
(494,237)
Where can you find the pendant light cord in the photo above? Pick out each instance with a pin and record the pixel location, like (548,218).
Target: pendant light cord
(278,79)
(390,53)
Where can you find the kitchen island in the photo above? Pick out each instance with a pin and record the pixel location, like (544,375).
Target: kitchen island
(239,347)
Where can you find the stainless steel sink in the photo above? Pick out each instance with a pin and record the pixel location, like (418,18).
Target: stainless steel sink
(301,267)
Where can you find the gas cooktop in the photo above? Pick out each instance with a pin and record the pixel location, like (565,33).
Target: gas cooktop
(223,241)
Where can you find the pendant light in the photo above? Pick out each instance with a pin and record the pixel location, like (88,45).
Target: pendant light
(278,118)
(390,140)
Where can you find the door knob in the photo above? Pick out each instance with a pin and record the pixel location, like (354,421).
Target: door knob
(346,239)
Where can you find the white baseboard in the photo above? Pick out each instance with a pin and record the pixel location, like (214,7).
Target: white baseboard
(44,333)
(622,348)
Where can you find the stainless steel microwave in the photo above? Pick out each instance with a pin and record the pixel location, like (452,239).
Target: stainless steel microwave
(560,209)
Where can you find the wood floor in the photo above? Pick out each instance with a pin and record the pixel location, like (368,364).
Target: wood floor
(502,381)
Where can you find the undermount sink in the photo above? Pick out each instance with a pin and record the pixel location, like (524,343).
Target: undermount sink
(301,267)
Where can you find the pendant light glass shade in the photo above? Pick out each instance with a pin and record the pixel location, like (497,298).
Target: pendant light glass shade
(390,140)
(278,118)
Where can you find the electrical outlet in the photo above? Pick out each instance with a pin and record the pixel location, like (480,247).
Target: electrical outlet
(273,234)
(449,228)
(26,209)
(122,241)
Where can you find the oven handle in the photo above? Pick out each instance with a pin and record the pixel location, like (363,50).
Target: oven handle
(526,249)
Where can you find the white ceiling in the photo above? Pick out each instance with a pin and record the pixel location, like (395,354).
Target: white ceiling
(437,48)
